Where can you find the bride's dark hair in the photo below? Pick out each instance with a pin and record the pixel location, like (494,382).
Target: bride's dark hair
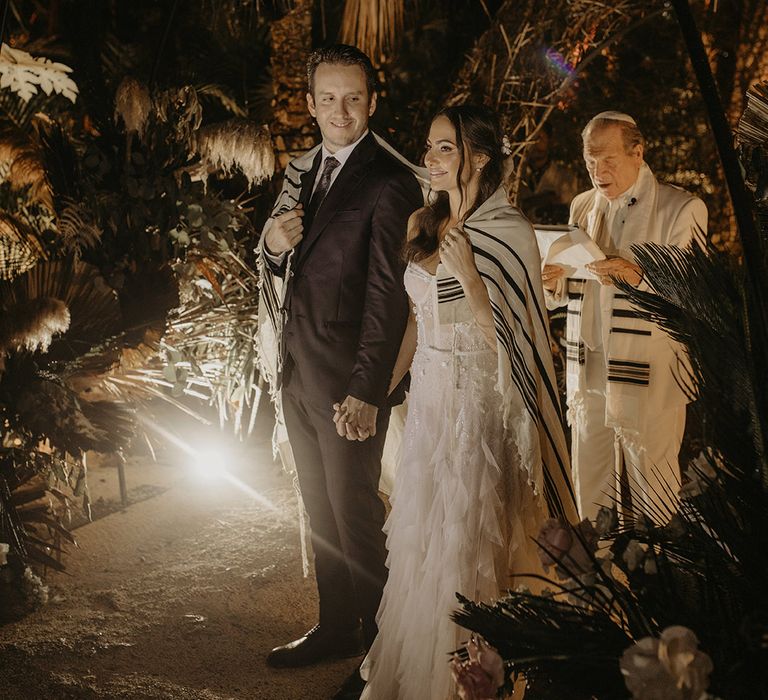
(477,129)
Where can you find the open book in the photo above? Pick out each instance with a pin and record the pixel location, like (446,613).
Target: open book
(569,247)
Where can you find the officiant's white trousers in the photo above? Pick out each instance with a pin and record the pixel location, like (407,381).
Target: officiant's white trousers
(650,455)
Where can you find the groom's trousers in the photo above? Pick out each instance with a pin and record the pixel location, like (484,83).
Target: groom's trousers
(339,485)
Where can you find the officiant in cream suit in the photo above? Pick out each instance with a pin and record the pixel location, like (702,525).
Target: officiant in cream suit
(625,405)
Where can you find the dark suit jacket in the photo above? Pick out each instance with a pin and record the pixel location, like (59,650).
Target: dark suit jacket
(346,306)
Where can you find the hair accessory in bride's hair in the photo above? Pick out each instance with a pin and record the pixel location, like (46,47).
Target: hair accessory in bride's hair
(506,145)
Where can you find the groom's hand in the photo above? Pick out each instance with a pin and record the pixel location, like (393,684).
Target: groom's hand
(285,232)
(355,419)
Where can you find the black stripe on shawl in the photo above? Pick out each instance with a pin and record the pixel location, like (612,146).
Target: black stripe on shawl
(633,331)
(627,363)
(627,380)
(505,245)
(552,497)
(502,322)
(521,375)
(625,313)
(445,298)
(553,396)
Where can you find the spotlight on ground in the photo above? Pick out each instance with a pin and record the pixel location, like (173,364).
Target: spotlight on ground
(210,464)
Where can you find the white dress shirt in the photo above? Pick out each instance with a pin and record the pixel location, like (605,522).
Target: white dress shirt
(616,211)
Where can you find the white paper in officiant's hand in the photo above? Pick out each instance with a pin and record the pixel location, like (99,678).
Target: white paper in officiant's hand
(570,248)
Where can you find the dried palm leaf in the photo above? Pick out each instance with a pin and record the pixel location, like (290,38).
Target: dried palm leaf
(222,96)
(93,306)
(25,75)
(373,26)
(181,110)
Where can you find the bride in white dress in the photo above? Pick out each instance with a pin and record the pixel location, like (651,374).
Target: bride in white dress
(465,503)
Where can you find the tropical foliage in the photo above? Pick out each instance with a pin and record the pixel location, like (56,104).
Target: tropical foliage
(125,277)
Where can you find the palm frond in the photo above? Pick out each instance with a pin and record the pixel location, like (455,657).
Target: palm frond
(92,305)
(562,649)
(706,316)
(77,229)
(221,94)
(20,246)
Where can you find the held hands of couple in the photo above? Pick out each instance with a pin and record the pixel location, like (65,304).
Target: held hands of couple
(355,419)
(456,255)
(286,231)
(616,267)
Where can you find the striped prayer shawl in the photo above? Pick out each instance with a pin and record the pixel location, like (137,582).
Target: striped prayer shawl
(272,287)
(628,358)
(507,258)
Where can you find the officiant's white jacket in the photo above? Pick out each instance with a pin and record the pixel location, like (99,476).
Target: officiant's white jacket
(641,361)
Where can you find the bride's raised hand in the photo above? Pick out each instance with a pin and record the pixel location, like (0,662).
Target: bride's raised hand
(457,257)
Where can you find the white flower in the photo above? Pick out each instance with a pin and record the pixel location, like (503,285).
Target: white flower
(606,521)
(669,668)
(689,667)
(35,590)
(634,554)
(698,476)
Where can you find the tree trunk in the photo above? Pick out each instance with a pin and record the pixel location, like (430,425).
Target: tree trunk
(291,40)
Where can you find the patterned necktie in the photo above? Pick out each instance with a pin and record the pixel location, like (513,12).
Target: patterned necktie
(323,185)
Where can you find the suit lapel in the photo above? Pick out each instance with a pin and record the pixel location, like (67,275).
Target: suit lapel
(351,174)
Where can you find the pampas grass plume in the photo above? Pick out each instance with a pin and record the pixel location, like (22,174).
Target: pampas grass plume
(133,105)
(31,326)
(236,144)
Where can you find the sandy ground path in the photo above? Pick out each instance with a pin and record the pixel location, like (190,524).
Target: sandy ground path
(179,595)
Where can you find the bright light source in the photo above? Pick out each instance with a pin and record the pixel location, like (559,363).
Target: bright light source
(209,464)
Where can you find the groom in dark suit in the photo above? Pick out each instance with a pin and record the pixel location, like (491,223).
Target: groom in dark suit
(344,311)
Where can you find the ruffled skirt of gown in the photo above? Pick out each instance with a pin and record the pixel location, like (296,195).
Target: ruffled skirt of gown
(462,519)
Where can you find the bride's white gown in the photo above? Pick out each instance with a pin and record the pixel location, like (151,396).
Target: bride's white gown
(462,512)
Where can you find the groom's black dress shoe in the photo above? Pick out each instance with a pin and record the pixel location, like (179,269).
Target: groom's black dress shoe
(317,645)
(351,688)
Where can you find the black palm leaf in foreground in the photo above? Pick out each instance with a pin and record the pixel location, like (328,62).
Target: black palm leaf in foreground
(705,567)
(563,650)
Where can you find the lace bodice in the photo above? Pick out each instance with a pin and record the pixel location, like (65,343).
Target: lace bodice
(449,328)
